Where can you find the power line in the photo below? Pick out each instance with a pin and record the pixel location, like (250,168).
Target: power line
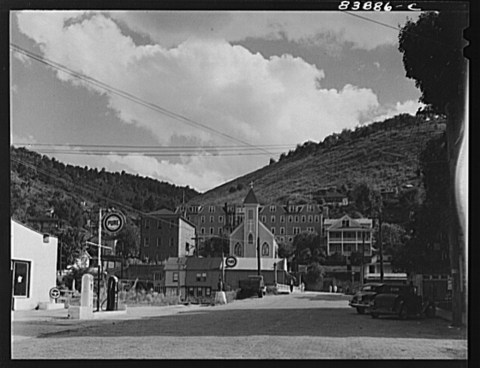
(128,96)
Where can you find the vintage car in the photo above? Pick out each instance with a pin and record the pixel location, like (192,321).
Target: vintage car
(361,300)
(402,301)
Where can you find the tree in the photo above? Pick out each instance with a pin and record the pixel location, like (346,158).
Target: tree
(215,247)
(432,50)
(367,200)
(314,274)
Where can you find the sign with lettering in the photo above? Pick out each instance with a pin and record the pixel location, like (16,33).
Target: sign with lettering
(231,262)
(113,222)
(54,293)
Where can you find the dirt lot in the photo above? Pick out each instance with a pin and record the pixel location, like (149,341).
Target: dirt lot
(297,326)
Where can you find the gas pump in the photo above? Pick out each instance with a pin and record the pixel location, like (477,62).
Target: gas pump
(112,293)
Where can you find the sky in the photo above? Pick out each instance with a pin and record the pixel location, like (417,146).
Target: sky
(196,97)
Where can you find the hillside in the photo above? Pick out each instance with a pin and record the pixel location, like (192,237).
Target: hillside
(40,183)
(383,153)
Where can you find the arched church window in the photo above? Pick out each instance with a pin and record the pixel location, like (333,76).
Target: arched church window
(265,249)
(238,250)
(250,238)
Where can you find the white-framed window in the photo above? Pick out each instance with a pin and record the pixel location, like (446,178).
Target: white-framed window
(282,230)
(238,250)
(282,219)
(272,230)
(202,219)
(264,219)
(146,242)
(345,223)
(273,208)
(265,249)
(310,208)
(202,230)
(272,218)
(250,238)
(310,229)
(296,218)
(304,218)
(317,218)
(175,277)
(212,219)
(220,230)
(296,230)
(290,218)
(208,291)
(220,219)
(21,278)
(250,214)
(201,276)
(211,209)
(290,239)
(282,238)
(310,218)
(211,231)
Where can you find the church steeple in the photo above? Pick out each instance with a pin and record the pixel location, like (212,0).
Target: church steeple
(251,226)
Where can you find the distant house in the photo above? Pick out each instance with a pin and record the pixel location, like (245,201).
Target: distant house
(334,198)
(33,266)
(346,235)
(166,234)
(202,276)
(175,276)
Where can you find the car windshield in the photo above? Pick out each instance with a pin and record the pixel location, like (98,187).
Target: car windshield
(370,288)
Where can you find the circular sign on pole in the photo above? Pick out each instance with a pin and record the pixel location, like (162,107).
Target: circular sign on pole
(113,222)
(231,262)
(54,293)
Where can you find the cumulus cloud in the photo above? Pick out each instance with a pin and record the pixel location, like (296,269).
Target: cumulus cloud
(385,112)
(172,28)
(204,79)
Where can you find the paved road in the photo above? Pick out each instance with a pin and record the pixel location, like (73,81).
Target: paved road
(297,326)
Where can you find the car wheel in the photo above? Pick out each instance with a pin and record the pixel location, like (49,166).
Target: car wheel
(360,310)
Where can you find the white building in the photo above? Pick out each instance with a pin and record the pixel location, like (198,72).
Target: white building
(346,235)
(33,266)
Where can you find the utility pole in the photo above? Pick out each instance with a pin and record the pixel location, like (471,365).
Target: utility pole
(381,244)
(99,257)
(258,257)
(361,258)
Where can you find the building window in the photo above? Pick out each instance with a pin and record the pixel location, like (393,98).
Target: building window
(208,291)
(147,224)
(310,208)
(191,291)
(21,278)
(202,231)
(296,219)
(211,209)
(290,239)
(159,224)
(202,277)
(290,218)
(282,219)
(220,231)
(187,246)
(212,219)
(146,242)
(282,230)
(317,218)
(272,218)
(265,249)
(310,218)
(220,219)
(250,238)
(296,230)
(371,269)
(310,229)
(273,208)
(264,219)
(211,231)
(304,218)
(159,242)
(250,214)
(272,230)
(175,277)
(199,291)
(238,250)
(282,238)
(345,223)
(202,219)
(172,242)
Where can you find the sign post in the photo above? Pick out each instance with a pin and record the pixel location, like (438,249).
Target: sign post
(54,293)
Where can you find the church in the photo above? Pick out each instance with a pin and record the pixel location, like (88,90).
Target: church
(252,233)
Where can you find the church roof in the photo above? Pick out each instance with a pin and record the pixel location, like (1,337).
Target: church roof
(251,198)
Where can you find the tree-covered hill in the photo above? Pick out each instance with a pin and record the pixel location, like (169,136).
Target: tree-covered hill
(385,154)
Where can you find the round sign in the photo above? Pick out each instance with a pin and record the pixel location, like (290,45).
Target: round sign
(231,261)
(113,222)
(54,293)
